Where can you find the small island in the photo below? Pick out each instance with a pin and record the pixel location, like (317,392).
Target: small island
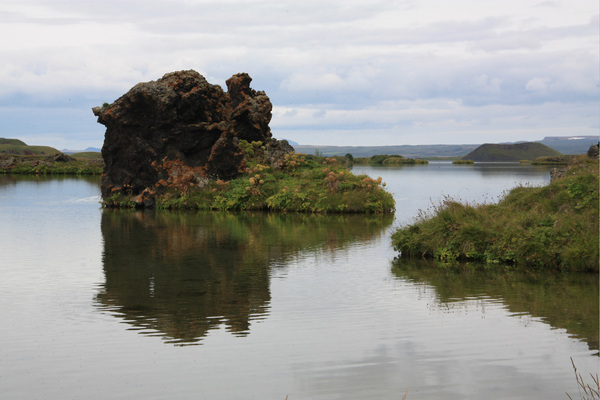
(463,162)
(181,142)
(388,160)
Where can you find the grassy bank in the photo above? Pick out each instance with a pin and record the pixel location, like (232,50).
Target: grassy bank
(551,227)
(559,160)
(58,164)
(303,184)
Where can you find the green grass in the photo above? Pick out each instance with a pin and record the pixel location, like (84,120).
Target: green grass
(87,155)
(551,227)
(13,142)
(556,160)
(309,184)
(463,162)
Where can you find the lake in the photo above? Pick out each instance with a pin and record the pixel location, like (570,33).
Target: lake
(120,304)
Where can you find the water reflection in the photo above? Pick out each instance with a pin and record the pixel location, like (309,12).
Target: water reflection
(180,275)
(6,180)
(566,301)
(497,169)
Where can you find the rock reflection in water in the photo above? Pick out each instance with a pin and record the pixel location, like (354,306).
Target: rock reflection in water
(180,275)
(565,301)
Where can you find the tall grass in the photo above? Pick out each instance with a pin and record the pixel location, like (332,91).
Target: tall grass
(586,391)
(551,227)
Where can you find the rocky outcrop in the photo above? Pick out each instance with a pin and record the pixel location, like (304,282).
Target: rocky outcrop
(6,161)
(557,173)
(179,131)
(59,157)
(593,151)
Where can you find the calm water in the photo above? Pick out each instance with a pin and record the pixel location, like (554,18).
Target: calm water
(99,304)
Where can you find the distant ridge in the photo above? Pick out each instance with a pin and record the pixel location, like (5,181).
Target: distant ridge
(408,151)
(88,150)
(510,152)
(570,144)
(562,144)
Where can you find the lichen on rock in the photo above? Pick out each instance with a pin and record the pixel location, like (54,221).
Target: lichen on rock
(179,131)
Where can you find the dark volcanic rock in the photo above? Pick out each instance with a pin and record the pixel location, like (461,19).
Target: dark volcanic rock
(59,157)
(179,131)
(593,151)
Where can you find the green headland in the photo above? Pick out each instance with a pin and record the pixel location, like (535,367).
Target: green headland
(554,227)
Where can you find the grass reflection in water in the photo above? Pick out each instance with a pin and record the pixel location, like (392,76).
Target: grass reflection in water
(180,275)
(567,301)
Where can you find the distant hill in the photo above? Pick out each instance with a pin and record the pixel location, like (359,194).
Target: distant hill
(562,144)
(88,150)
(14,142)
(417,151)
(570,144)
(18,147)
(510,152)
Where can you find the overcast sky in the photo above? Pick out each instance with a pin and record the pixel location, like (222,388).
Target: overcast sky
(345,72)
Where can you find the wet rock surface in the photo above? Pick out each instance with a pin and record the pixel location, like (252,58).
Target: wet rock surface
(179,131)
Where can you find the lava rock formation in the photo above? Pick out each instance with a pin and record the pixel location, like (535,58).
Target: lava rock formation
(180,131)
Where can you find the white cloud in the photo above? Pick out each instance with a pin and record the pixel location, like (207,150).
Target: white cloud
(410,69)
(538,85)
(302,81)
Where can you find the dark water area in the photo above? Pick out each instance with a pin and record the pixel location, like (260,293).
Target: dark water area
(128,304)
